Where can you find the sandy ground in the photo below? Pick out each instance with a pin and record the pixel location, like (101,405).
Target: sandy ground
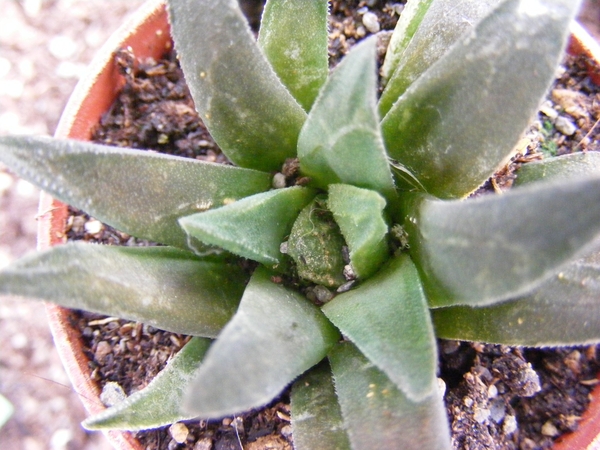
(44,46)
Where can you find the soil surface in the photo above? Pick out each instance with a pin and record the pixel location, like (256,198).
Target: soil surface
(44,45)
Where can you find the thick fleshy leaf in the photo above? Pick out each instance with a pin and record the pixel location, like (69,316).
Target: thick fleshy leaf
(341,140)
(561,167)
(387,318)
(276,335)
(407,25)
(7,409)
(435,27)
(471,106)
(293,35)
(253,227)
(564,310)
(317,421)
(159,403)
(493,248)
(316,245)
(248,111)
(377,415)
(164,287)
(359,214)
(139,192)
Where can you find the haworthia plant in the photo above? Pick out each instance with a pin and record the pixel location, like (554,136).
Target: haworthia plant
(355,271)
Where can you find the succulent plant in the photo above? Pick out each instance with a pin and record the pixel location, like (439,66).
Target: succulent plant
(354,208)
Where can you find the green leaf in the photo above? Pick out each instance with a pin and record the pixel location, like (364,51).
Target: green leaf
(139,192)
(316,245)
(159,403)
(248,111)
(561,167)
(359,214)
(253,227)
(493,248)
(7,410)
(435,27)
(293,35)
(377,414)
(317,421)
(275,336)
(562,311)
(471,106)
(407,25)
(387,318)
(341,140)
(164,287)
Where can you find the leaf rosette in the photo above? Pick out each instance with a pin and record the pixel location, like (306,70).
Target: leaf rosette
(376,254)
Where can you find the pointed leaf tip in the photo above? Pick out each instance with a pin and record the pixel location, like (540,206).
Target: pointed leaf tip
(253,227)
(341,140)
(275,336)
(159,403)
(387,318)
(244,105)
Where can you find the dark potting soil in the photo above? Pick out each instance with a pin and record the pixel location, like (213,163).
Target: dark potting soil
(497,397)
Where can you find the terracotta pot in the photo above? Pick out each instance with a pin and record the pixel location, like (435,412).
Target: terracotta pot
(147,33)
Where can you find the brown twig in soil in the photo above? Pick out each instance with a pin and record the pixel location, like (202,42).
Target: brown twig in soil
(587,135)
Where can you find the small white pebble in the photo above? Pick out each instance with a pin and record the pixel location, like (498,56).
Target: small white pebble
(283,247)
(497,410)
(179,432)
(548,110)
(93,226)
(549,429)
(510,425)
(565,126)
(322,294)
(371,22)
(278,181)
(481,414)
(492,391)
(112,393)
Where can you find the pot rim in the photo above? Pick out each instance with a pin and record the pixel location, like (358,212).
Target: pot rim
(146,31)
(79,116)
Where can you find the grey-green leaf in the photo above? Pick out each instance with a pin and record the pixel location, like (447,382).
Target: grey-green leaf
(493,248)
(341,141)
(242,102)
(435,26)
(317,421)
(159,403)
(578,164)
(293,35)
(164,287)
(471,106)
(276,335)
(139,192)
(253,227)
(407,25)
(387,318)
(563,310)
(377,415)
(359,214)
